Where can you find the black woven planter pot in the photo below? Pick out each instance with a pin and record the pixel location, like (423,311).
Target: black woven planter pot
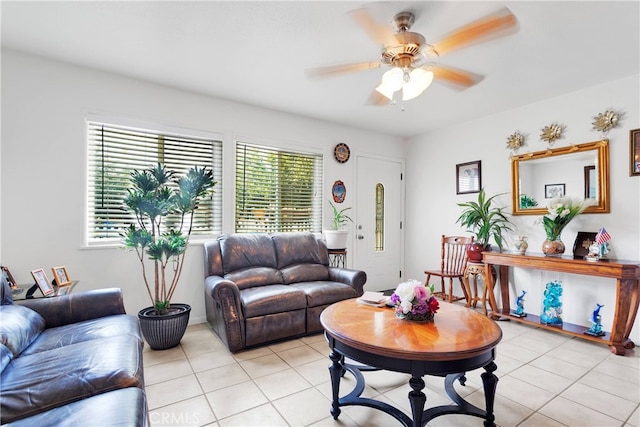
(166,330)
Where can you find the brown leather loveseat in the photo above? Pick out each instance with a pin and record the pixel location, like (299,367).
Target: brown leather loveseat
(261,288)
(71,360)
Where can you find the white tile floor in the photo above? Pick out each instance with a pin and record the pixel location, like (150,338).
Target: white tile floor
(546,379)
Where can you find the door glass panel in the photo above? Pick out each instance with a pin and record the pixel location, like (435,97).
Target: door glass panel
(379,217)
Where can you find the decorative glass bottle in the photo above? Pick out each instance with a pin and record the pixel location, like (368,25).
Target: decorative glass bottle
(552,307)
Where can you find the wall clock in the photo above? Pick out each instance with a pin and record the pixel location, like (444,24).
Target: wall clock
(341,152)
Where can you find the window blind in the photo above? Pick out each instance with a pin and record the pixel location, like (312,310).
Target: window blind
(115,151)
(277,190)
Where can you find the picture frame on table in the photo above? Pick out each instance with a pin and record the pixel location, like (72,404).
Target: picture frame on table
(551,191)
(61,276)
(583,241)
(469,177)
(43,282)
(7,274)
(634,152)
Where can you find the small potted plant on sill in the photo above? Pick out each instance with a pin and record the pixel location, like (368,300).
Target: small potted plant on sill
(486,221)
(163,206)
(336,237)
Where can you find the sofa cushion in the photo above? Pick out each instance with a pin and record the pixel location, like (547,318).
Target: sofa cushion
(20,326)
(297,248)
(271,299)
(124,407)
(304,273)
(240,251)
(323,292)
(255,276)
(5,356)
(39,382)
(104,327)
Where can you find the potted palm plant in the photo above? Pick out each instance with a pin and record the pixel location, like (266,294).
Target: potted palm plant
(336,237)
(163,206)
(486,221)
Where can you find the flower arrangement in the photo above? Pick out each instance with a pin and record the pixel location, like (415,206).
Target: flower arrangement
(561,211)
(414,300)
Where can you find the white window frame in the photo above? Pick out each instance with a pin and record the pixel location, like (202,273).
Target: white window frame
(315,218)
(152,129)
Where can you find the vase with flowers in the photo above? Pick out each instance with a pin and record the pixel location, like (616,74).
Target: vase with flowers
(561,211)
(414,300)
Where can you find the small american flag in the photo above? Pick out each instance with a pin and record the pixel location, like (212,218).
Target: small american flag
(602,236)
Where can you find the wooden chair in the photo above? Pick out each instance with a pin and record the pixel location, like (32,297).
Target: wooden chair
(452,266)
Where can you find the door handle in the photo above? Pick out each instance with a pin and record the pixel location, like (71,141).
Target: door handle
(360,237)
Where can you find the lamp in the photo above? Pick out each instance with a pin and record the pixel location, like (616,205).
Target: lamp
(412,83)
(392,81)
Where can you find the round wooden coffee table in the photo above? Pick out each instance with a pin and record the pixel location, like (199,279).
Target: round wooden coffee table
(460,340)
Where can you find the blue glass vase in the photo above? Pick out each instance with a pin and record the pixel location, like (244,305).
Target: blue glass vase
(552,306)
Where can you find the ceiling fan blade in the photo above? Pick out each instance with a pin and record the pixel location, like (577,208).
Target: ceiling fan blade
(498,24)
(378,32)
(459,79)
(377,99)
(334,70)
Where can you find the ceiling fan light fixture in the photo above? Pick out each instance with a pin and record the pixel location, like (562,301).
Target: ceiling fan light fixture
(392,82)
(419,81)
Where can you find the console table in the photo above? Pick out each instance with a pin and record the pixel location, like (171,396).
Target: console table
(626,273)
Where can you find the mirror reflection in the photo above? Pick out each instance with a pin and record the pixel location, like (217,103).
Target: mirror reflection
(579,171)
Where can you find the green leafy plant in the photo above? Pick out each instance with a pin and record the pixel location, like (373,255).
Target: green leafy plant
(484,219)
(163,205)
(339,217)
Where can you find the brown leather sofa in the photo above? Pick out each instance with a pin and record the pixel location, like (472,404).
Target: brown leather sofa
(71,360)
(261,288)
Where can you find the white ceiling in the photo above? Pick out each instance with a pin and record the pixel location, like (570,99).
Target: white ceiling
(257,52)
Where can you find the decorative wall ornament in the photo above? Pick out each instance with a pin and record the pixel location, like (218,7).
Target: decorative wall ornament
(342,152)
(606,121)
(515,140)
(338,191)
(552,133)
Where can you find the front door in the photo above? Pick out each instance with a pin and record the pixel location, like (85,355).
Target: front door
(378,243)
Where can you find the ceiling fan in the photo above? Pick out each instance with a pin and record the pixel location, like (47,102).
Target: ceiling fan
(408,53)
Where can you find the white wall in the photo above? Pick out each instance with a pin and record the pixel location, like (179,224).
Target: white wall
(42,174)
(431,210)
(44,105)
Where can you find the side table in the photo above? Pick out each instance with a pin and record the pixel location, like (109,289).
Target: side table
(337,258)
(475,269)
(22,291)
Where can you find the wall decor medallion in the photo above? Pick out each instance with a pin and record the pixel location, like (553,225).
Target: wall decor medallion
(515,140)
(552,133)
(341,152)
(338,191)
(606,121)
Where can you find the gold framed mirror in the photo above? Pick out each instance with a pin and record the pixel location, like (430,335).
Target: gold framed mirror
(578,170)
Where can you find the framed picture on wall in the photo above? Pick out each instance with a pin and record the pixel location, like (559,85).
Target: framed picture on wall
(43,282)
(468,177)
(551,191)
(634,152)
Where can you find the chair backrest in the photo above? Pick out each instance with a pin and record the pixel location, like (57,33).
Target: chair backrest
(454,253)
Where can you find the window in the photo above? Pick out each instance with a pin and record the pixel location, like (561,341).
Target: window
(277,190)
(115,151)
